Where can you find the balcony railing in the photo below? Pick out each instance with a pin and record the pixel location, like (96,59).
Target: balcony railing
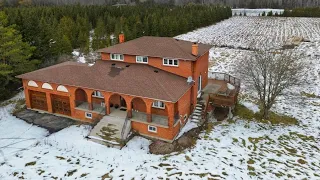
(225,77)
(99,108)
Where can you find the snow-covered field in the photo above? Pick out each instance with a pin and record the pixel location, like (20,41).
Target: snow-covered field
(255,12)
(231,150)
(257,32)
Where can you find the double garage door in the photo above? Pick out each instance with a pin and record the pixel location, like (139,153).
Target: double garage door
(60,104)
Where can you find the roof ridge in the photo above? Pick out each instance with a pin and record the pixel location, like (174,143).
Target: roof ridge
(176,42)
(163,88)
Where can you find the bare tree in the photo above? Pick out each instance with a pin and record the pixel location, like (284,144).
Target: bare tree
(269,74)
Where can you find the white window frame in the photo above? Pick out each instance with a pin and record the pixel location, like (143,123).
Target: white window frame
(88,115)
(153,129)
(158,104)
(97,94)
(138,61)
(117,57)
(166,62)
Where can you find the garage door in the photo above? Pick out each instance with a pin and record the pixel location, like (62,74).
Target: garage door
(61,105)
(38,100)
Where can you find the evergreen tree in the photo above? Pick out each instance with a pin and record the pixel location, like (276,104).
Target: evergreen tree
(100,37)
(68,28)
(15,57)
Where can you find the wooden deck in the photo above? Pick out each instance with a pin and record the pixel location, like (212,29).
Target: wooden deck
(219,93)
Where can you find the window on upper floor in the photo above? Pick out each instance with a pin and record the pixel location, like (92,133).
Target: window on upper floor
(118,57)
(141,59)
(170,62)
(158,104)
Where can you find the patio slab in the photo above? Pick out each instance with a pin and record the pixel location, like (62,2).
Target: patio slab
(50,122)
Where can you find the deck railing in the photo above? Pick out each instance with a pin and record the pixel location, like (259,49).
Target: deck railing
(95,106)
(225,77)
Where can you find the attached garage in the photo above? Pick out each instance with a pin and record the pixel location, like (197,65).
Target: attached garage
(38,100)
(61,105)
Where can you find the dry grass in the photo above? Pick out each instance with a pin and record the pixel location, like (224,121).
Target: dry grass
(275,119)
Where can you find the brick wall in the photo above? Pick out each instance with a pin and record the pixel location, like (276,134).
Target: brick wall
(184,68)
(200,68)
(184,105)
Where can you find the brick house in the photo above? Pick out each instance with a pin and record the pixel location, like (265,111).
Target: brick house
(153,82)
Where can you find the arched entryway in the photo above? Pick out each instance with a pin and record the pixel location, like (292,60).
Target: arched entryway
(81,99)
(118,105)
(139,109)
(138,105)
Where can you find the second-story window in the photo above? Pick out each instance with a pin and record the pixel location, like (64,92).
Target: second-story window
(158,104)
(170,62)
(141,59)
(118,57)
(97,94)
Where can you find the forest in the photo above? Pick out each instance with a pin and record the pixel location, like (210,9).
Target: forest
(39,36)
(232,3)
(302,12)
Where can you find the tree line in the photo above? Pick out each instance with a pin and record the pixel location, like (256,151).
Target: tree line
(232,3)
(302,12)
(46,33)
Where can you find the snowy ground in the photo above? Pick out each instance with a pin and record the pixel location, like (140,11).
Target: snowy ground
(257,32)
(231,150)
(255,12)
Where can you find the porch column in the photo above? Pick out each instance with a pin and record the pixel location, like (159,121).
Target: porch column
(107,102)
(129,109)
(107,105)
(128,100)
(89,98)
(49,103)
(170,108)
(90,102)
(149,110)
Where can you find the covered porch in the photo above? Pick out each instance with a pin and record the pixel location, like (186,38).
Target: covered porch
(126,107)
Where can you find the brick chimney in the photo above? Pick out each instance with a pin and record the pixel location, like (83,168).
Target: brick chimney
(195,49)
(121,37)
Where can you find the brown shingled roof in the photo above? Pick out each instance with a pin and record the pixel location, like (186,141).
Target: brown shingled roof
(158,47)
(137,79)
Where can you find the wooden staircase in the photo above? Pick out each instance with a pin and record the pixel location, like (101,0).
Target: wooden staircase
(199,114)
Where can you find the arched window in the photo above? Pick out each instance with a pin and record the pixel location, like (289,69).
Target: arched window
(47,86)
(62,88)
(32,84)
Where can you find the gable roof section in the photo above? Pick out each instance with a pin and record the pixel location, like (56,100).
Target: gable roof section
(158,47)
(137,80)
